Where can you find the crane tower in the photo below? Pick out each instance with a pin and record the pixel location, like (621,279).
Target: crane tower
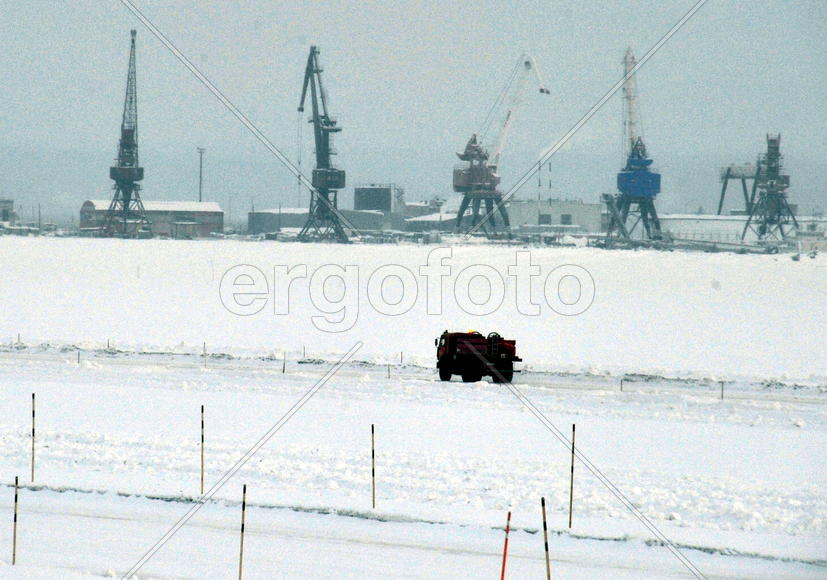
(126,217)
(637,183)
(771,212)
(323,221)
(477,179)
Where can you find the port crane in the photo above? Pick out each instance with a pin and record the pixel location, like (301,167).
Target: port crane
(323,220)
(478,178)
(770,214)
(637,183)
(126,217)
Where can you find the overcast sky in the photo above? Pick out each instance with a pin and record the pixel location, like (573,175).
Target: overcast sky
(409,83)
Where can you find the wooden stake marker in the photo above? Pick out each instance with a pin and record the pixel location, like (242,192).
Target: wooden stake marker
(205,355)
(33,423)
(202,449)
(571,478)
(14,528)
(505,545)
(722,390)
(545,538)
(284,362)
(372,466)
(241,545)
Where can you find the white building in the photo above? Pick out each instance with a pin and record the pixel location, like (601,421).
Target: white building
(175,219)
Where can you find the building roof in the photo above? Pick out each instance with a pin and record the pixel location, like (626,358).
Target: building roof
(184,206)
(727,218)
(283,210)
(432,217)
(703,217)
(304,210)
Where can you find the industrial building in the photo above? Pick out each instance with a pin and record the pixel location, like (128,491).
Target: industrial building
(386,198)
(174,219)
(377,207)
(7,215)
(527,217)
(274,220)
(573,216)
(438,221)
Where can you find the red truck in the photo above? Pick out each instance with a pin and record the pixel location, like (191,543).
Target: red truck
(473,356)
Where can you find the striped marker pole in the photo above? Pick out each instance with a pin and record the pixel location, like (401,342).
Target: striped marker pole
(571,477)
(505,546)
(241,545)
(33,401)
(202,449)
(372,466)
(545,538)
(14,528)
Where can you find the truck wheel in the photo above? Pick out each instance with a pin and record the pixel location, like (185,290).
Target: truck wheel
(444,374)
(507,375)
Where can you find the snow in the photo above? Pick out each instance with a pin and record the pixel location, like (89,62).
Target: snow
(431,217)
(736,484)
(677,314)
(285,210)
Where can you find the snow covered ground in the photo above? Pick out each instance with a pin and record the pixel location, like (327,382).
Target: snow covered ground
(662,313)
(736,484)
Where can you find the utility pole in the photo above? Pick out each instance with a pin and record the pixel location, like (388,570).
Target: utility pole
(200,170)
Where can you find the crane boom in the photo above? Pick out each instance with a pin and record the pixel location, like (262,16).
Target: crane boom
(632,129)
(128,146)
(525,67)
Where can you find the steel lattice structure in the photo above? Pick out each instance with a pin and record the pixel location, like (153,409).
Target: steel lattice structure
(126,216)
